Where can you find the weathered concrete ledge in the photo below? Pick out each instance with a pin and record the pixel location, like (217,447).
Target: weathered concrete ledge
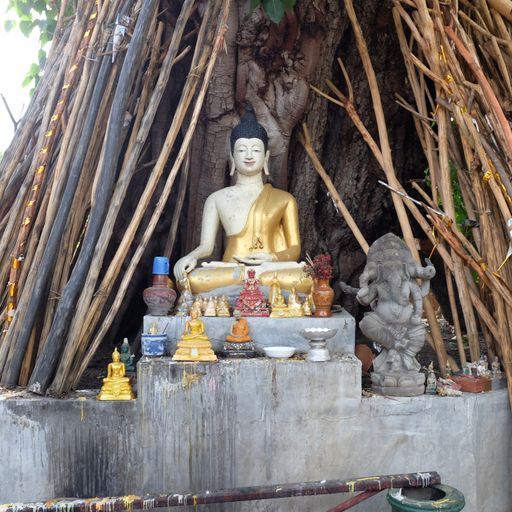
(238,423)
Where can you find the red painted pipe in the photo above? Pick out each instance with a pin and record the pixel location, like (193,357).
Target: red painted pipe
(262,492)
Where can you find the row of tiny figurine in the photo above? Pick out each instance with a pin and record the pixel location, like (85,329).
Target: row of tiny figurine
(218,306)
(250,302)
(448,387)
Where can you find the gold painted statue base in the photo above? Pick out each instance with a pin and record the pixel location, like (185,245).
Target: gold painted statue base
(117,391)
(194,350)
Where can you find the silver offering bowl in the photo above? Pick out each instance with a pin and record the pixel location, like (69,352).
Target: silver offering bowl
(317,337)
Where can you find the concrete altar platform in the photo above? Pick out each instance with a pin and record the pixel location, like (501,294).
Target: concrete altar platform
(252,422)
(265,331)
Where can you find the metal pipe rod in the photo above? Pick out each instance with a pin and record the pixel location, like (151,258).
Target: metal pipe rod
(353,501)
(262,492)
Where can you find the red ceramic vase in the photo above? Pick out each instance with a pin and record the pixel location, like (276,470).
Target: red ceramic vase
(323,297)
(159,297)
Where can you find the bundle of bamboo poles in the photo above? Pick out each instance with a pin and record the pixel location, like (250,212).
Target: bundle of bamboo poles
(66,174)
(458,57)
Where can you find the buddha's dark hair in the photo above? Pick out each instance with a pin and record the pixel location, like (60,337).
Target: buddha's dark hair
(248,128)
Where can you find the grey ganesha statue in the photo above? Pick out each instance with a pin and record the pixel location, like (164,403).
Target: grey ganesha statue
(394,285)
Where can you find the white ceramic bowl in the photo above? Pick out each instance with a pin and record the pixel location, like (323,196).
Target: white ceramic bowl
(279,352)
(318,333)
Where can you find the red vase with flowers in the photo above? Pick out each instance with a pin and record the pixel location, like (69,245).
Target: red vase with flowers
(320,270)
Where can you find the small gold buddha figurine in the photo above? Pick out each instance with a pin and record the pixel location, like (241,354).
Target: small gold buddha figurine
(294,304)
(275,288)
(239,332)
(116,386)
(307,308)
(153,329)
(223,306)
(197,306)
(194,345)
(211,309)
(279,308)
(311,302)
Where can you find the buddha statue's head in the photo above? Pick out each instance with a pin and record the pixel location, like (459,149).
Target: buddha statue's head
(116,356)
(249,141)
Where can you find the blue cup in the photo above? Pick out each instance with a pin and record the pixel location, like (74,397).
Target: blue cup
(161,265)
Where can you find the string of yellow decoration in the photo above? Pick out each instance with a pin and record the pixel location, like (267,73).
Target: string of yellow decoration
(43,160)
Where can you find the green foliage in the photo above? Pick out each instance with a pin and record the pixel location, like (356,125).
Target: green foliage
(30,15)
(274,8)
(458,202)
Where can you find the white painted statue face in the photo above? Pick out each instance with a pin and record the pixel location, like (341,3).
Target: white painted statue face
(249,156)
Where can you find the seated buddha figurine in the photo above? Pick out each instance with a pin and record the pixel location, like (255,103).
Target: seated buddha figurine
(260,221)
(239,332)
(194,345)
(116,386)
(295,306)
(279,307)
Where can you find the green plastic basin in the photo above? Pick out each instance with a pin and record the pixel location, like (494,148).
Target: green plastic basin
(436,497)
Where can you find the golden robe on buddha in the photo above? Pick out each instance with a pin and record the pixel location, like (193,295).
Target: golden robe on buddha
(272,226)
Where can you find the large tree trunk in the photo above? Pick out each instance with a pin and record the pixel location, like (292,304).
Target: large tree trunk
(273,67)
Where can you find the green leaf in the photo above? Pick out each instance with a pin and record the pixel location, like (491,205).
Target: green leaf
(34,69)
(255,3)
(27,80)
(52,25)
(26,27)
(44,38)
(274,9)
(23,9)
(40,6)
(9,25)
(41,58)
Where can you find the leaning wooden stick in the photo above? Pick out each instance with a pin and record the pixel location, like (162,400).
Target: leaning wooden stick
(305,140)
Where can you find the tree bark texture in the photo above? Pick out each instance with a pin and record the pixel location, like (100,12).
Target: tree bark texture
(273,67)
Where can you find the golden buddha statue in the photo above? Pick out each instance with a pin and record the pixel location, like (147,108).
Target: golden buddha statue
(275,288)
(295,306)
(307,308)
(260,221)
(116,386)
(223,306)
(279,308)
(197,306)
(311,302)
(194,345)
(239,332)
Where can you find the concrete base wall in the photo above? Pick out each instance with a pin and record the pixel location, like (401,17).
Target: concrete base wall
(238,423)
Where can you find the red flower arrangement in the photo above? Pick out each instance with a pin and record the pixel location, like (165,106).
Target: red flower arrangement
(320,267)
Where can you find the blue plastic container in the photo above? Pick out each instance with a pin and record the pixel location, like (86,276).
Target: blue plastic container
(161,265)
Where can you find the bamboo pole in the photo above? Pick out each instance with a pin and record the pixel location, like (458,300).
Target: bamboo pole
(305,140)
(41,376)
(222,20)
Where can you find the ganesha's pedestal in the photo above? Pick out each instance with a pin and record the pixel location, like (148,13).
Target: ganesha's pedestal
(398,383)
